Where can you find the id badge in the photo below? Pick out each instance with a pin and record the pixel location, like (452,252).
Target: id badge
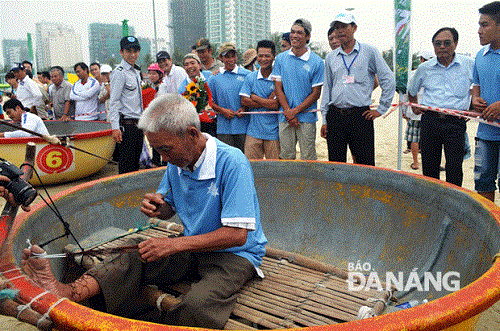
(348,79)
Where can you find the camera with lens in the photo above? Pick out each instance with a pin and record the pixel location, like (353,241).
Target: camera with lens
(23,192)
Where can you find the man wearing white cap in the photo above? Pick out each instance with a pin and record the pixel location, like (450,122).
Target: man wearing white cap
(349,77)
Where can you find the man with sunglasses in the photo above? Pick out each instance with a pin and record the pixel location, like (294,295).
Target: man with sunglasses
(446,81)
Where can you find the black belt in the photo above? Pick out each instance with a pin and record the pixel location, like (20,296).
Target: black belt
(435,114)
(350,110)
(128,121)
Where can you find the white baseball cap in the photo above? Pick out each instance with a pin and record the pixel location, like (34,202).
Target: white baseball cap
(344,17)
(106,69)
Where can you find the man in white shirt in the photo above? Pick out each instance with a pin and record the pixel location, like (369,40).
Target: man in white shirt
(174,75)
(16,112)
(27,91)
(84,93)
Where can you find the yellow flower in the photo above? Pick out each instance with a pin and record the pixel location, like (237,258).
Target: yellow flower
(191,88)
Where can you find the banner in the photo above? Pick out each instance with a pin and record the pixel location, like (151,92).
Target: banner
(402,12)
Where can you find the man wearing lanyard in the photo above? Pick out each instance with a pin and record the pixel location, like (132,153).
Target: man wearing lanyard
(349,77)
(126,106)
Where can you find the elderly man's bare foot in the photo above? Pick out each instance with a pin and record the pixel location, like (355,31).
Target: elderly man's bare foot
(39,270)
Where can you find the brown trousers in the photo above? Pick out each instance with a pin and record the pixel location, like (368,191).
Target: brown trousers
(218,276)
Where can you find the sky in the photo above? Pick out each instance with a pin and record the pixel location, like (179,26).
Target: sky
(375,19)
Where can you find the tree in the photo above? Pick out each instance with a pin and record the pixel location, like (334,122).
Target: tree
(276,39)
(388,57)
(318,49)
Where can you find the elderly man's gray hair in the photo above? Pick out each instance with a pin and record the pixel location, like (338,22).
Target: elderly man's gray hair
(171,113)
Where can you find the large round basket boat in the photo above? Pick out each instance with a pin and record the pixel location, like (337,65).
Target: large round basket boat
(59,164)
(324,222)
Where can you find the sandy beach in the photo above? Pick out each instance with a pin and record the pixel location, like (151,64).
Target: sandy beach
(386,138)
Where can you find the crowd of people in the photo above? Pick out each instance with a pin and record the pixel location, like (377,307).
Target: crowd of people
(270,103)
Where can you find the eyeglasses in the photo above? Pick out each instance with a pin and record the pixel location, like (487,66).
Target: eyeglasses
(445,43)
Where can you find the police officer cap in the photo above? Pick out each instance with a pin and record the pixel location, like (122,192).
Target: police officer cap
(130,42)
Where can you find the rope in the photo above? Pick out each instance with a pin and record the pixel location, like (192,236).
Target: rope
(46,315)
(22,308)
(10,270)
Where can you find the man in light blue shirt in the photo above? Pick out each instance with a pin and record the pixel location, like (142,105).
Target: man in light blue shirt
(257,93)
(446,81)
(349,80)
(298,75)
(486,99)
(225,87)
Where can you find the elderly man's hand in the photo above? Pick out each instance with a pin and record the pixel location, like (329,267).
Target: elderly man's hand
(156,248)
(9,196)
(153,204)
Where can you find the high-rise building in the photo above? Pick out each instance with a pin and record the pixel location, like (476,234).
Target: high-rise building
(57,44)
(243,22)
(187,19)
(104,44)
(15,51)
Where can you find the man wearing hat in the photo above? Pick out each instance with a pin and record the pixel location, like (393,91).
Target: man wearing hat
(225,87)
(298,77)
(204,51)
(173,76)
(349,79)
(126,105)
(27,91)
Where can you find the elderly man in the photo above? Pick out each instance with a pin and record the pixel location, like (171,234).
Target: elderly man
(486,100)
(27,91)
(192,65)
(210,186)
(84,93)
(204,50)
(349,80)
(16,112)
(173,76)
(59,91)
(446,81)
(298,75)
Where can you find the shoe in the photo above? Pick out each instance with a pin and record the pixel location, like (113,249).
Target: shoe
(414,166)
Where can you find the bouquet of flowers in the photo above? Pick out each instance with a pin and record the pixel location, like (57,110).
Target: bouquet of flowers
(198,93)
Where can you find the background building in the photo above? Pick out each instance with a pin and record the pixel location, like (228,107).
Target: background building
(187,19)
(57,44)
(104,44)
(243,22)
(14,51)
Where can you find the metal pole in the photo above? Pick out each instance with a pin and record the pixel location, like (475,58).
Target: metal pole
(154,25)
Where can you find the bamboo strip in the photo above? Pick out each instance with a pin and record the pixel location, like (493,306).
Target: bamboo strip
(283,302)
(261,318)
(275,302)
(235,325)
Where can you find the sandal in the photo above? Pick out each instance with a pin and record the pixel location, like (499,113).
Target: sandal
(414,166)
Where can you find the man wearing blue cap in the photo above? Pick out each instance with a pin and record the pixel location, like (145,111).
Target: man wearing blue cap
(126,105)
